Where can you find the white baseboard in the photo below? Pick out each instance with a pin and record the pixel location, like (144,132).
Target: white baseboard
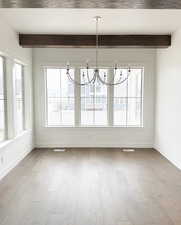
(90,145)
(174,162)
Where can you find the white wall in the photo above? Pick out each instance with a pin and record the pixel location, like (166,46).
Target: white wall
(94,137)
(168,101)
(14,149)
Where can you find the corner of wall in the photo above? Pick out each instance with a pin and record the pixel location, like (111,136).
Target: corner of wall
(167,101)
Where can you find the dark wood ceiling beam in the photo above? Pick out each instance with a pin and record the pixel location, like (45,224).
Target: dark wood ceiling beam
(82,41)
(119,4)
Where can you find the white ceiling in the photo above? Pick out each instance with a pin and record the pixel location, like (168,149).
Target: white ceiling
(80,21)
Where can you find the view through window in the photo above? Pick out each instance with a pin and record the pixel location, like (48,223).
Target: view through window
(128,99)
(19,97)
(94,102)
(60,97)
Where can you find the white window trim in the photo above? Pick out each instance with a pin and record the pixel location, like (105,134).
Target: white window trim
(23,95)
(46,96)
(110,113)
(5,100)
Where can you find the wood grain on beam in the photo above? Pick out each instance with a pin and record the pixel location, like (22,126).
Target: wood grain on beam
(43,40)
(116,4)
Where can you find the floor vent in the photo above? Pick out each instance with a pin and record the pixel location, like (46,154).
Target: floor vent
(128,150)
(59,149)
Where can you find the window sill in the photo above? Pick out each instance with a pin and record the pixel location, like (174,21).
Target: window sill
(5,143)
(9,141)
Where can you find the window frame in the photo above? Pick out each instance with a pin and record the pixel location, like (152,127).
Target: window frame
(127,97)
(46,97)
(110,99)
(4,99)
(23,97)
(107,102)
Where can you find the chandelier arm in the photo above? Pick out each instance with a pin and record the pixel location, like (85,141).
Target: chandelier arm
(113,84)
(88,78)
(93,78)
(77,83)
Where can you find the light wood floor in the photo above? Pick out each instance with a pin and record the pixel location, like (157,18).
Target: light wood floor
(92,187)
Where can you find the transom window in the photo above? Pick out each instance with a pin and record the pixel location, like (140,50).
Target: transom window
(97,104)
(2,101)
(19,97)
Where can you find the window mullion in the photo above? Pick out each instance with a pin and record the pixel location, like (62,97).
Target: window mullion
(46,98)
(94,99)
(126,102)
(110,99)
(4,100)
(77,102)
(141,99)
(60,98)
(23,98)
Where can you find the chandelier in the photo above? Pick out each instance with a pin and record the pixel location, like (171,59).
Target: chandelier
(86,79)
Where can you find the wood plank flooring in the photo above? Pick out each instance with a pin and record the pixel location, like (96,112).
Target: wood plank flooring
(92,187)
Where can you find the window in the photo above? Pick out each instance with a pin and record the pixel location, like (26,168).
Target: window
(60,97)
(128,99)
(96,104)
(19,98)
(2,102)
(93,102)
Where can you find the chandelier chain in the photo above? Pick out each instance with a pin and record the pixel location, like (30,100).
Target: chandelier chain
(97,41)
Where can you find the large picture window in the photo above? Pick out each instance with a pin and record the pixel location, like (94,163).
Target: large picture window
(2,101)
(19,97)
(97,104)
(60,97)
